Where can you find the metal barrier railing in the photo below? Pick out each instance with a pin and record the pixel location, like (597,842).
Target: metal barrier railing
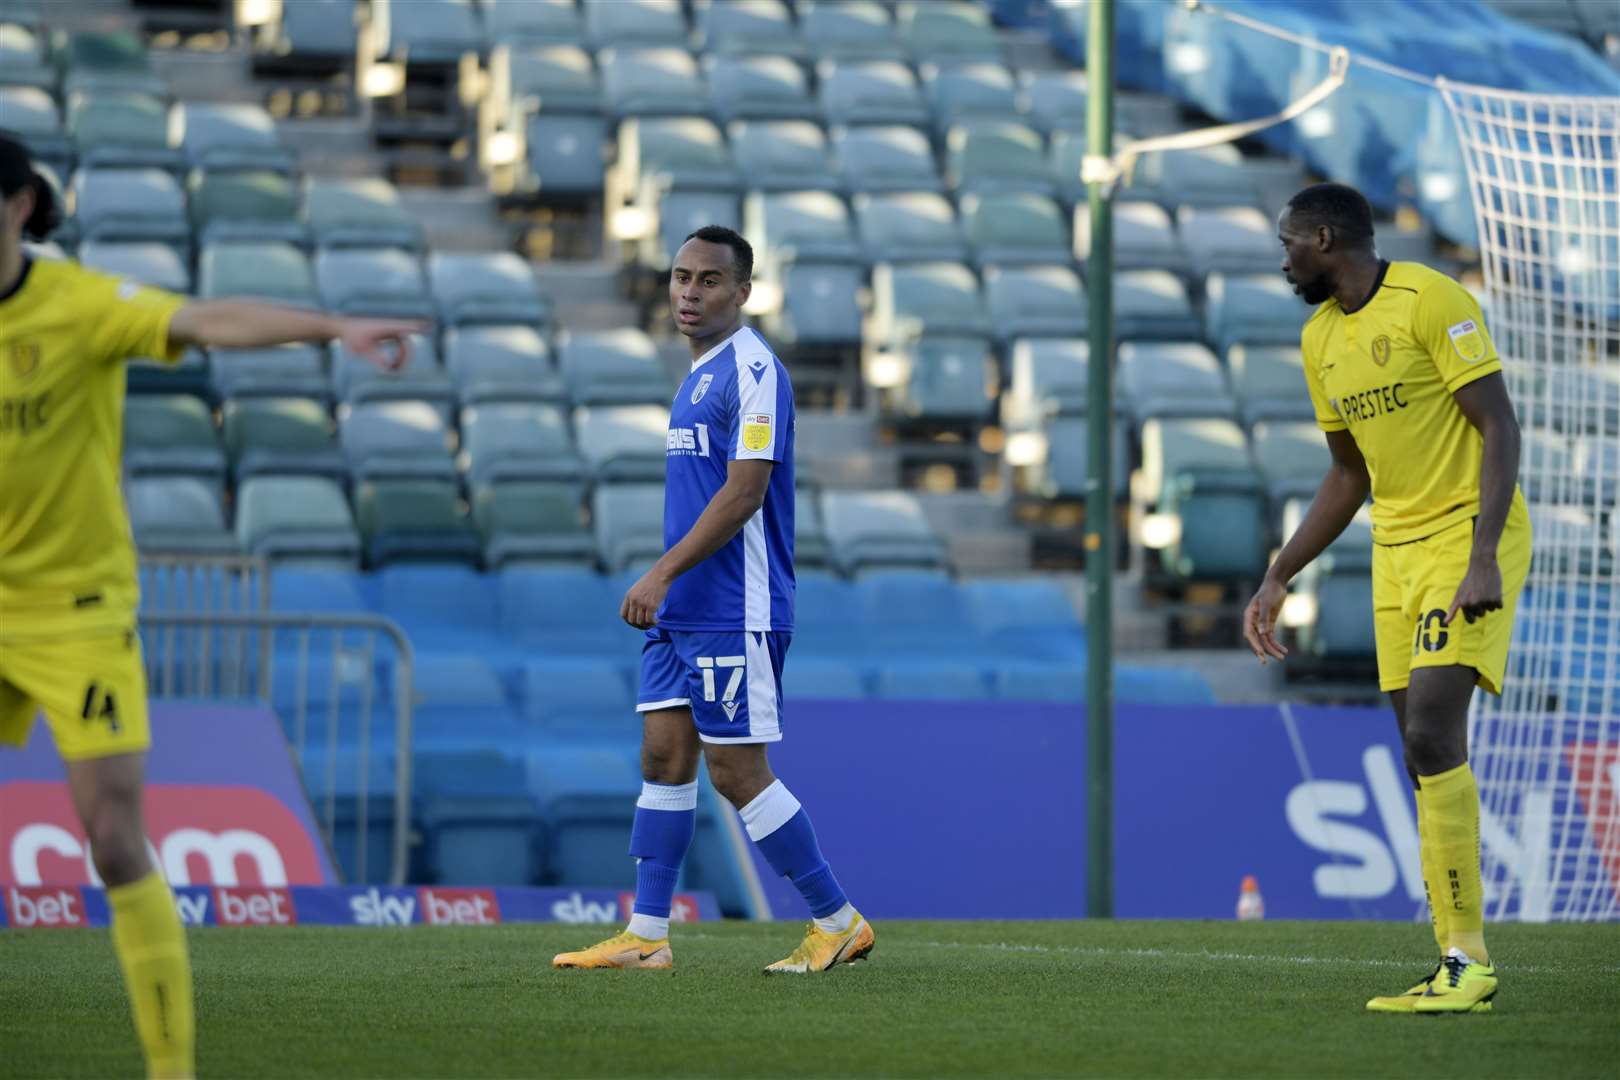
(214,654)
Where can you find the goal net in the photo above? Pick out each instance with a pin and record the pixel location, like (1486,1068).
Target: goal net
(1546,196)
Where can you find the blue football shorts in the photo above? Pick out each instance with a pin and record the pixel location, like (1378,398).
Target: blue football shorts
(730,679)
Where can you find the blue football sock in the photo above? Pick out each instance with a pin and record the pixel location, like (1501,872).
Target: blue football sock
(666,817)
(779,825)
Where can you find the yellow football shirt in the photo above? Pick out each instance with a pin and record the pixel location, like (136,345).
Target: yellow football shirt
(1386,372)
(67,556)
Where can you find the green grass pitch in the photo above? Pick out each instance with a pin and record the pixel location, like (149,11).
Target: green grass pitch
(936,999)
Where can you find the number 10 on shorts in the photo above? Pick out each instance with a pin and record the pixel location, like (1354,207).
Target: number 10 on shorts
(708,665)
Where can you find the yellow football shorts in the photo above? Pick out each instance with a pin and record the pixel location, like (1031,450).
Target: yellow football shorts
(92,688)
(1413,587)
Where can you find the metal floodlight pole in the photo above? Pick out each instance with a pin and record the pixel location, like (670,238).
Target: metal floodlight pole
(1099,536)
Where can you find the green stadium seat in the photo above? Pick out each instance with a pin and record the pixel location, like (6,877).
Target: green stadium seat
(612,367)
(528,522)
(996,155)
(1153,305)
(674,151)
(281,371)
(31,112)
(1340,583)
(484,287)
(623,443)
(947,379)
(1207,176)
(415,521)
(642,81)
(629,523)
(758,88)
(1171,379)
(1202,472)
(1144,237)
(114,60)
(959,91)
(943,30)
(550,77)
(396,440)
(23,60)
(747,28)
(1046,377)
(1013,227)
(1056,100)
(870,529)
(908,226)
(500,363)
(1035,301)
(533,21)
(782,155)
(870,91)
(1293,457)
(281,436)
(940,298)
(848,30)
(795,225)
(154,264)
(681,212)
(189,377)
(378,282)
(885,158)
(1061,472)
(564,153)
(516,441)
(423,32)
(1228,239)
(356,379)
(234,136)
(299,519)
(114,129)
(171,435)
(1256,308)
(359,213)
(253,206)
(263,270)
(1269,382)
(130,205)
(622,22)
(313,35)
(178,515)
(820,306)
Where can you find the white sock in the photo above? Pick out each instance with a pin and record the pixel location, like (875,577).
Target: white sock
(650,927)
(838,922)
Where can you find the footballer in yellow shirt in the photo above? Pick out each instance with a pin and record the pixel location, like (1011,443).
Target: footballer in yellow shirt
(68,594)
(1408,389)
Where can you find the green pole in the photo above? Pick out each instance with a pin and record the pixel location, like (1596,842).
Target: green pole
(1099,483)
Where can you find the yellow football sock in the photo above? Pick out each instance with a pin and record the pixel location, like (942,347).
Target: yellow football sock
(1451,809)
(151,947)
(1431,879)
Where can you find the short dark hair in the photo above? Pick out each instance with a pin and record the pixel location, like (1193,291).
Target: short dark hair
(1338,206)
(742,251)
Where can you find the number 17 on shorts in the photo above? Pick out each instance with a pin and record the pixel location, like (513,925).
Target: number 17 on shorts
(730,679)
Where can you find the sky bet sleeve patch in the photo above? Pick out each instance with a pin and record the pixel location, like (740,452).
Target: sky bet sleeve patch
(756,432)
(1466,339)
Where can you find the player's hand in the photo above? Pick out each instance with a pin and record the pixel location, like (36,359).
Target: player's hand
(1260,621)
(385,342)
(640,607)
(1480,591)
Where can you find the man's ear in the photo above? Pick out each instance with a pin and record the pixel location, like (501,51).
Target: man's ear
(744,291)
(1325,238)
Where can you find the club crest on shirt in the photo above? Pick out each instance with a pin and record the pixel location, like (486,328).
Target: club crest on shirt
(1466,339)
(1380,350)
(702,387)
(24,357)
(756,432)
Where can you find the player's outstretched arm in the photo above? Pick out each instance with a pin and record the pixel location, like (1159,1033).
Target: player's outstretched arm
(248,324)
(1342,492)
(1486,404)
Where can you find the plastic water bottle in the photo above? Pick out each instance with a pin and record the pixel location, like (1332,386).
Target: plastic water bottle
(1250,906)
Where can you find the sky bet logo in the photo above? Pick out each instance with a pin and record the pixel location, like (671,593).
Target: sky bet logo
(44,908)
(433,906)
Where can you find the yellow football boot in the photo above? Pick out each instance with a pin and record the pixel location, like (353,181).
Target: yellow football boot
(1402,1003)
(1465,986)
(820,950)
(624,950)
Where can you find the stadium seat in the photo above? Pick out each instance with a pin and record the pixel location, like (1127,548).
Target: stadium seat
(623,442)
(963,91)
(588,792)
(245,207)
(130,205)
(513,440)
(149,263)
(486,287)
(303,519)
(1153,305)
(921,679)
(619,22)
(479,823)
(909,226)
(232,136)
(1269,382)
(914,613)
(563,152)
(448,607)
(848,30)
(523,21)
(878,529)
(362,213)
(1340,583)
(1201,471)
(266,271)
(1062,472)
(650,82)
(273,436)
(31,112)
(526,523)
(1172,379)
(1035,301)
(377,282)
(681,212)
(178,515)
(940,298)
(552,78)
(782,155)
(758,88)
(947,379)
(1207,176)
(746,28)
(23,58)
(356,379)
(1046,377)
(994,155)
(819,678)
(1161,685)
(337,591)
(820,305)
(1026,618)
(317,33)
(500,363)
(106,60)
(942,30)
(1014,227)
(396,440)
(1144,237)
(117,129)
(296,371)
(414,521)
(1228,239)
(578,693)
(1293,457)
(629,521)
(174,435)
(612,367)
(871,92)
(677,151)
(1055,100)
(563,610)
(1254,308)
(885,158)
(427,31)
(808,225)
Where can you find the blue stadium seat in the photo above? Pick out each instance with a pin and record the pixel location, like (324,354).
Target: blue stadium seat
(582,693)
(588,791)
(1025,618)
(914,612)
(1161,686)
(922,679)
(821,678)
(334,591)
(440,606)
(563,610)
(481,826)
